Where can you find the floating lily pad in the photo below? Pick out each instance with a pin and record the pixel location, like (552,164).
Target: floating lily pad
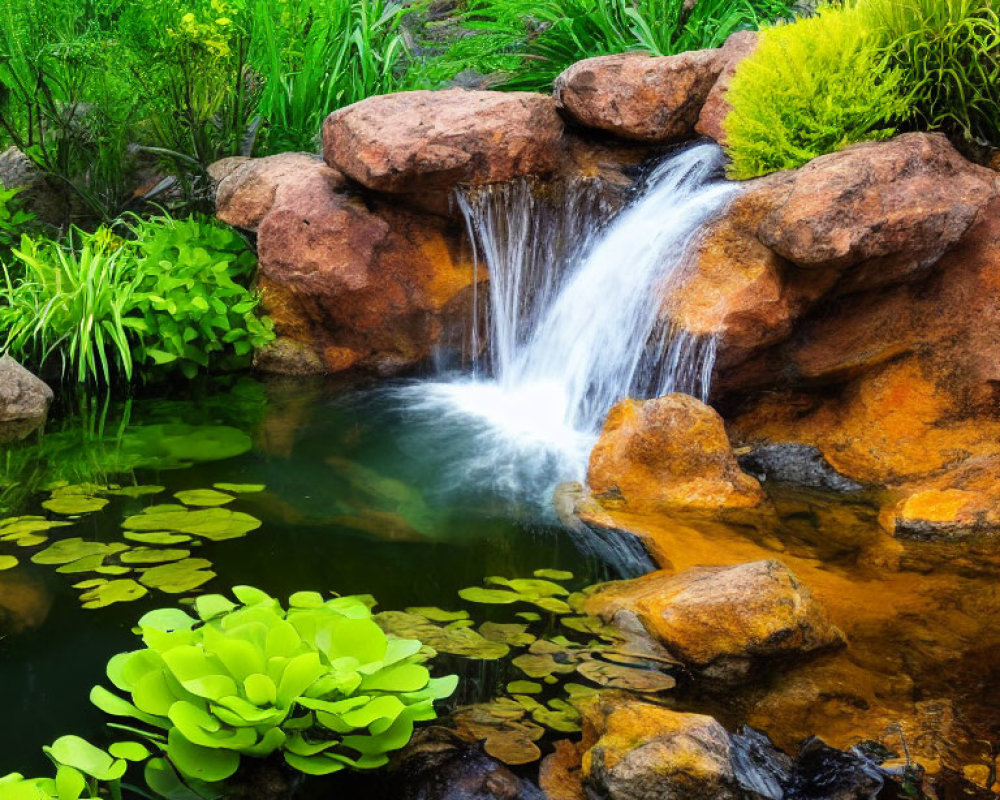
(590,625)
(536,665)
(66,551)
(621,676)
(8,562)
(477,594)
(14,529)
(204,497)
(559,716)
(529,616)
(524,687)
(137,491)
(216,524)
(542,593)
(240,488)
(508,736)
(553,574)
(93,563)
(181,576)
(152,555)
(74,504)
(438,614)
(105,593)
(509,633)
(455,638)
(530,587)
(157,537)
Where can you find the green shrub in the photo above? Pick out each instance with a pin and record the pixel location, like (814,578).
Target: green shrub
(811,87)
(948,52)
(13,220)
(535,40)
(320,683)
(174,297)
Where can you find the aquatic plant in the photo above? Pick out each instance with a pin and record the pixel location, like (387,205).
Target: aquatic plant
(172,297)
(948,54)
(14,220)
(319,682)
(532,41)
(82,771)
(811,87)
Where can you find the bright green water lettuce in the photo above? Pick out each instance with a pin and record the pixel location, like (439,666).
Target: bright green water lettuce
(320,682)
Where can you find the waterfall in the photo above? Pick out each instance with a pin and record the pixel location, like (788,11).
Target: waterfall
(574,317)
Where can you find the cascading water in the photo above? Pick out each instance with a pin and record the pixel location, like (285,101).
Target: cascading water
(574,319)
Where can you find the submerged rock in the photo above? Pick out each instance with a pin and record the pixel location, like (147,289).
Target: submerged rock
(637,96)
(724,622)
(414,142)
(643,751)
(24,400)
(438,764)
(798,464)
(350,282)
(668,452)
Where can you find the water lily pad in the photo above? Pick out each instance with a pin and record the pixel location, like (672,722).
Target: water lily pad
(240,488)
(8,562)
(509,633)
(152,555)
(529,616)
(477,594)
(438,614)
(204,497)
(536,665)
(66,551)
(106,593)
(593,626)
(530,587)
(92,563)
(455,638)
(14,529)
(137,491)
(74,504)
(524,687)
(559,716)
(508,736)
(157,537)
(553,574)
(620,676)
(181,576)
(215,524)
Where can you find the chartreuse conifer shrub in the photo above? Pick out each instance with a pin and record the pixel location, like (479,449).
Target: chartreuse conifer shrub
(811,87)
(948,54)
(319,683)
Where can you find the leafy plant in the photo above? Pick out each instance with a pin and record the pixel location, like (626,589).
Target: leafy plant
(811,87)
(948,53)
(319,682)
(82,771)
(13,220)
(167,299)
(535,40)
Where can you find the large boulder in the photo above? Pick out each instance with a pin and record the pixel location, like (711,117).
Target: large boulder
(643,751)
(22,395)
(637,96)
(724,621)
(716,108)
(671,452)
(350,281)
(430,141)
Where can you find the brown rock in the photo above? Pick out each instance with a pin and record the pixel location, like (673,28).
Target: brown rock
(647,752)
(413,142)
(560,775)
(724,621)
(22,395)
(737,47)
(637,96)
(49,202)
(349,283)
(669,452)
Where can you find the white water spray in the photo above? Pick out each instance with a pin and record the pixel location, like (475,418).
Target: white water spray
(575,320)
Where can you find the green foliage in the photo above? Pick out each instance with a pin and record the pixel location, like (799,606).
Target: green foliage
(173,297)
(535,40)
(948,52)
(320,683)
(318,56)
(82,771)
(811,87)
(13,220)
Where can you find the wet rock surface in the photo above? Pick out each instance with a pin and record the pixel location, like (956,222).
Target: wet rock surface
(716,108)
(639,97)
(24,399)
(723,622)
(798,464)
(668,452)
(349,281)
(433,140)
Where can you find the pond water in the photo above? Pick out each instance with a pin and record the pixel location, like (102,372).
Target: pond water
(354,503)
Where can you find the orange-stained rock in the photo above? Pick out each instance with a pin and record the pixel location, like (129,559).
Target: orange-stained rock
(560,776)
(413,142)
(637,96)
(671,452)
(724,621)
(350,282)
(737,47)
(644,751)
